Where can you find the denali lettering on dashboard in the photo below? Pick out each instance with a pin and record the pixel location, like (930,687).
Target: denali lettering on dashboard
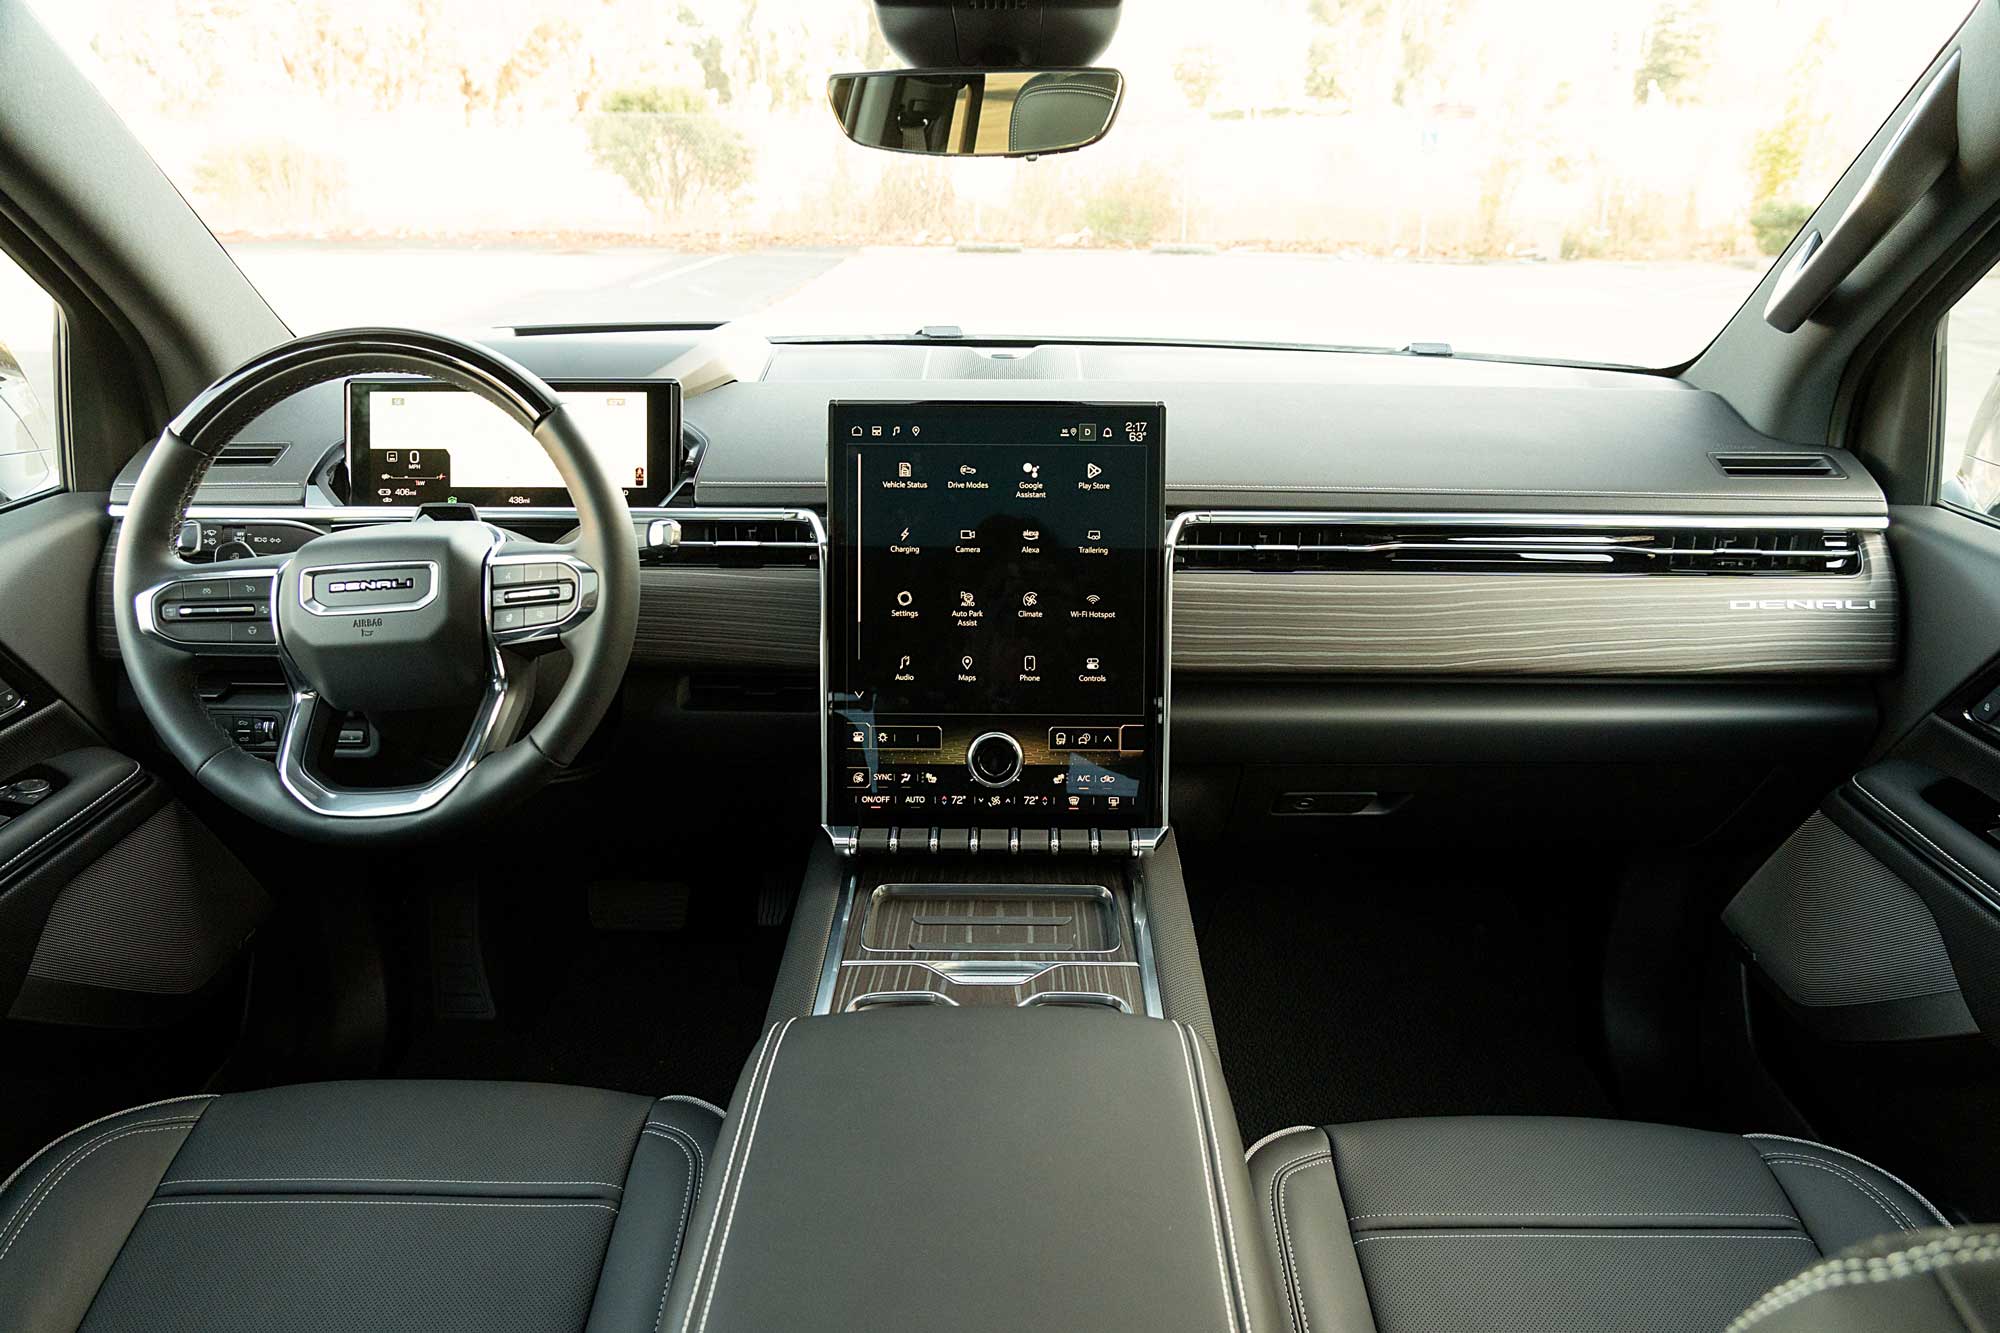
(370,585)
(1803,604)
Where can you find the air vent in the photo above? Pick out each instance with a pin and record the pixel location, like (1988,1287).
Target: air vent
(1777,465)
(735,539)
(250,455)
(1440,549)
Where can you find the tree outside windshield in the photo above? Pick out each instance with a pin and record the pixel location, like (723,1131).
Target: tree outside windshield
(1598,180)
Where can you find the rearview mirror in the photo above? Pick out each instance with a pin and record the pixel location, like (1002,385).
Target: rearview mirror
(977,112)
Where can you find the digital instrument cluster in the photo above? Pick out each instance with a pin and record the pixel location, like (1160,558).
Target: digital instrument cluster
(412,442)
(996,615)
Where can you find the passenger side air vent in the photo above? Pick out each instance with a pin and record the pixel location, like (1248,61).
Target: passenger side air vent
(1777,465)
(250,455)
(1296,547)
(737,539)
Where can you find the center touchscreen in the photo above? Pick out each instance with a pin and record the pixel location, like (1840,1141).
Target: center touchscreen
(996,616)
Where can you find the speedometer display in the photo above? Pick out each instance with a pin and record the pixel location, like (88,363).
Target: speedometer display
(414,442)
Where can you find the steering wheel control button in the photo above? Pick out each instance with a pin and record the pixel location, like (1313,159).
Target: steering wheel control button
(994,759)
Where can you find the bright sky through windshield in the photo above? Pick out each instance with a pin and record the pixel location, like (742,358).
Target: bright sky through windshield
(1599,180)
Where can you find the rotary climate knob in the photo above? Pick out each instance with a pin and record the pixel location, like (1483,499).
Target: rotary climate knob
(994,758)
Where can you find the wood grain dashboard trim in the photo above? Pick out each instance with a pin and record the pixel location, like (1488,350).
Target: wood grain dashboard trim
(1538,624)
(1380,624)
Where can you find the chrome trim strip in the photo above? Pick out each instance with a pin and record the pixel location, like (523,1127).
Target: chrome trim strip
(1520,518)
(1142,945)
(319,608)
(881,998)
(829,972)
(1078,998)
(985,971)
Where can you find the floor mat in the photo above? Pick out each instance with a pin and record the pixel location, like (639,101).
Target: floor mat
(653,1012)
(1380,990)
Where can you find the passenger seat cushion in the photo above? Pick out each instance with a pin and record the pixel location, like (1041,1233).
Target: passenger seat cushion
(1496,1223)
(443,1206)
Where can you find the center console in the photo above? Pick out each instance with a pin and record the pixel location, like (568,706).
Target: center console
(987,1097)
(996,626)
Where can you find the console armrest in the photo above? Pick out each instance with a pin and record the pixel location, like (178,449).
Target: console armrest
(977,1169)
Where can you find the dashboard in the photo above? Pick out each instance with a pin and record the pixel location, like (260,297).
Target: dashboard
(1393,582)
(995,612)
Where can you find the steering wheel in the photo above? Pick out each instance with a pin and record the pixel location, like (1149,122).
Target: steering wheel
(383,619)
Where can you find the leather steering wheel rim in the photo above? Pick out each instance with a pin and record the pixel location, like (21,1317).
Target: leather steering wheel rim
(163,676)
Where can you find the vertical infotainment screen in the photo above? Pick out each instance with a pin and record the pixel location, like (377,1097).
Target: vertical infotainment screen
(996,615)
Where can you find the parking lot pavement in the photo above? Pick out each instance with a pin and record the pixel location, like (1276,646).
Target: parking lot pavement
(1639,313)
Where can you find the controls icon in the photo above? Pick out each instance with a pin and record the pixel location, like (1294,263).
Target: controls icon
(905,597)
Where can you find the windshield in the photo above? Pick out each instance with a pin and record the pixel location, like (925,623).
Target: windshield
(1594,180)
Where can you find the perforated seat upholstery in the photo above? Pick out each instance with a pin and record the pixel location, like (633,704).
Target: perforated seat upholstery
(404,1205)
(1498,1224)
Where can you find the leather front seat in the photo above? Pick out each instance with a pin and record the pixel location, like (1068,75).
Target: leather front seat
(1498,1224)
(391,1205)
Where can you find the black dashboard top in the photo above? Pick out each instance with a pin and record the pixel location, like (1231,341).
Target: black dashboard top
(1253,428)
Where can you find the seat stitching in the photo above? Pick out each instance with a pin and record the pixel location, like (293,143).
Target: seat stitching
(1279,1183)
(683,1140)
(1192,1050)
(1208,1186)
(76,1160)
(1846,1173)
(44,1182)
(1274,1136)
(728,1165)
(389,1203)
(109,793)
(770,1073)
(1281,1231)
(1915,1261)
(695,1101)
(44,1150)
(1578,1235)
(1889,1210)
(370,1180)
(1442,1212)
(1901,1183)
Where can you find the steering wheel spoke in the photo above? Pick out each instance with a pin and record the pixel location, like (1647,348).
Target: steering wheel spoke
(224,610)
(305,738)
(538,591)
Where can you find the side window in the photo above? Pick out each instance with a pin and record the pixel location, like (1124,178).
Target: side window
(30,452)
(1970,476)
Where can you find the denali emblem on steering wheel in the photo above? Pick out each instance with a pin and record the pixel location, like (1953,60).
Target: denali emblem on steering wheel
(371,585)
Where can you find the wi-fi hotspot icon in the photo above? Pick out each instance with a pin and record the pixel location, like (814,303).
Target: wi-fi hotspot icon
(1093,599)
